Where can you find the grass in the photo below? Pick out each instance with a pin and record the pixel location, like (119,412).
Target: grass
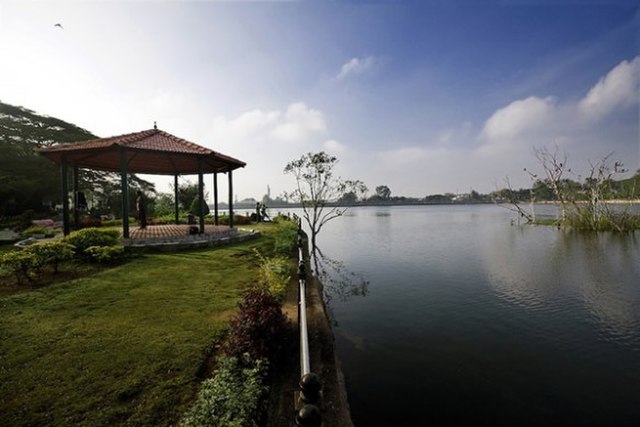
(125,345)
(547,221)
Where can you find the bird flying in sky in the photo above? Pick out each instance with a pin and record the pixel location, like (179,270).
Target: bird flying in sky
(59,25)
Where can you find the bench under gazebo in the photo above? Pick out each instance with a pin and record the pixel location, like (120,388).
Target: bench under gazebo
(152,152)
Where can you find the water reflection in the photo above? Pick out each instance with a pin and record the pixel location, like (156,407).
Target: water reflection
(484,322)
(552,270)
(338,281)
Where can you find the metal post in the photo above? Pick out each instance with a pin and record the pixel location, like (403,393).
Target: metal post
(305,366)
(175,198)
(200,195)
(231,199)
(215,198)
(76,211)
(65,197)
(125,194)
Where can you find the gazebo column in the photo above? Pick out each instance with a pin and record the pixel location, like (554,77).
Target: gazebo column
(76,212)
(125,194)
(215,198)
(200,195)
(65,196)
(175,198)
(230,198)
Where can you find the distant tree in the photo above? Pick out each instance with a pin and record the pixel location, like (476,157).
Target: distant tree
(439,198)
(187,192)
(349,198)
(383,192)
(317,187)
(164,205)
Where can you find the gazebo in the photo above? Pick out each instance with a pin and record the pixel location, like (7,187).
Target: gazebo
(148,152)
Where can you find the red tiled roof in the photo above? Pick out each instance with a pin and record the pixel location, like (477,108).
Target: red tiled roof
(150,151)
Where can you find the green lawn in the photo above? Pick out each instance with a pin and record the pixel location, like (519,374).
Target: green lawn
(121,346)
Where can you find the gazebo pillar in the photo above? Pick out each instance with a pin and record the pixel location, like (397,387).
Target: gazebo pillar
(65,196)
(125,194)
(230,198)
(215,198)
(200,195)
(175,198)
(76,212)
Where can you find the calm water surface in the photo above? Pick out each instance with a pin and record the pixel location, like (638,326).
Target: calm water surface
(467,319)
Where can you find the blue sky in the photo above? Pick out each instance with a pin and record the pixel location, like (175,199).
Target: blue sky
(425,97)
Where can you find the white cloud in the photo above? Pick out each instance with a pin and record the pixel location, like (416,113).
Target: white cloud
(334,147)
(298,122)
(409,155)
(536,121)
(619,88)
(267,139)
(357,66)
(458,159)
(519,117)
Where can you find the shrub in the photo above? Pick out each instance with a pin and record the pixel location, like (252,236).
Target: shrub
(258,328)
(50,253)
(25,218)
(112,223)
(20,263)
(85,238)
(90,221)
(590,219)
(195,207)
(286,236)
(274,274)
(168,219)
(234,397)
(105,254)
(28,262)
(35,229)
(116,222)
(237,220)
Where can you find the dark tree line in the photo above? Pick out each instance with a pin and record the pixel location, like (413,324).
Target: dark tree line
(30,182)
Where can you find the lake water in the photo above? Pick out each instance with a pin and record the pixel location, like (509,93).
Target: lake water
(451,315)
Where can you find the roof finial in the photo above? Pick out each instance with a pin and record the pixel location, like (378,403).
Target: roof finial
(155,126)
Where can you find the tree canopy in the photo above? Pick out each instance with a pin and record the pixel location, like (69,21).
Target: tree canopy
(30,181)
(318,190)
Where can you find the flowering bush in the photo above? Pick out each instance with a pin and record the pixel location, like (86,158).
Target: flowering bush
(234,397)
(258,328)
(274,274)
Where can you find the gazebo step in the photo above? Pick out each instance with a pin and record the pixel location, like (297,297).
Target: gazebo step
(184,244)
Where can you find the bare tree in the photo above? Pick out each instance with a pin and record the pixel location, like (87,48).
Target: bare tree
(598,188)
(317,190)
(513,202)
(555,169)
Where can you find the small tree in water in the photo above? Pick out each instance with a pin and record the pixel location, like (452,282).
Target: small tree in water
(318,190)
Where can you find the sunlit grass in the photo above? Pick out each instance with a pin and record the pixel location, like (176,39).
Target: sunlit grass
(123,345)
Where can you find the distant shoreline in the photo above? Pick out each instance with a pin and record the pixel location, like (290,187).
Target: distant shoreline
(423,203)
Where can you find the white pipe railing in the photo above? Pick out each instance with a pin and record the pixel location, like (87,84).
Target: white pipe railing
(309,414)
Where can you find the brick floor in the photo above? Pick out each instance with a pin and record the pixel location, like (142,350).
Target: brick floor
(171,230)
